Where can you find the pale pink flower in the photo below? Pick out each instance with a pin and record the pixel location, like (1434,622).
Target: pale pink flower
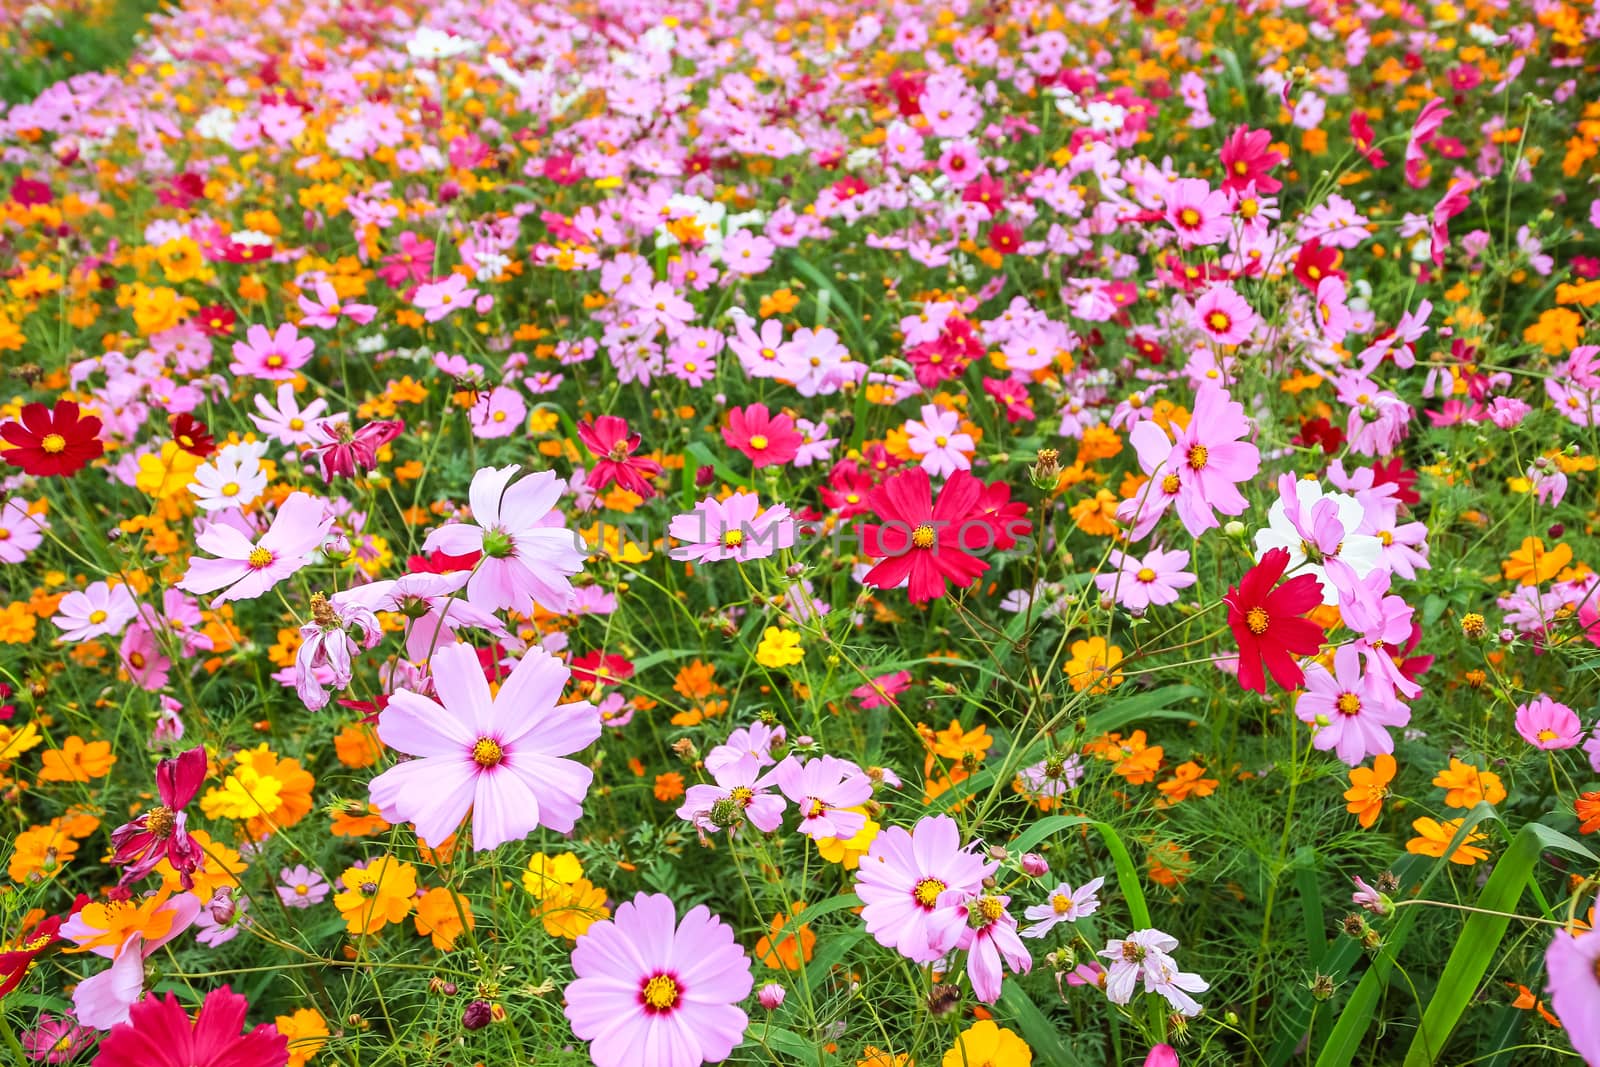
(437,300)
(247,568)
(326,310)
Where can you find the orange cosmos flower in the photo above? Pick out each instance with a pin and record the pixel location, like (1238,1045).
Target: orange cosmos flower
(1368,788)
(1467,786)
(1434,837)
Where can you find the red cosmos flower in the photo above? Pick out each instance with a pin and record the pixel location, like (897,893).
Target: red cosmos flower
(437,562)
(988,191)
(603,667)
(1319,431)
(349,451)
(162,832)
(16,961)
(1365,141)
(1314,262)
(1247,156)
(26,192)
(215,320)
(930,542)
(608,438)
(158,1033)
(48,443)
(1394,472)
(1267,622)
(192,435)
(847,489)
(1005,238)
(767,439)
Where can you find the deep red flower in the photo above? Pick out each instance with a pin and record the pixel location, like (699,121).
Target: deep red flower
(1393,472)
(215,320)
(16,961)
(602,667)
(1268,625)
(349,451)
(27,192)
(1005,238)
(158,1033)
(986,190)
(52,443)
(929,543)
(1248,158)
(847,488)
(1319,431)
(1365,140)
(767,439)
(607,437)
(1313,263)
(192,435)
(162,833)
(437,562)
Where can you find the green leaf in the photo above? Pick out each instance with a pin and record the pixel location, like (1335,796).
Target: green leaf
(1152,704)
(1037,1029)
(1311,914)
(1482,936)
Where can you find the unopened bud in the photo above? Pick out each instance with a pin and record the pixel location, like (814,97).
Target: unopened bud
(477,1015)
(771,996)
(336,546)
(1034,865)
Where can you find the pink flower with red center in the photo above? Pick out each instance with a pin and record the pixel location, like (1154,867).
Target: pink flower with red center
(768,440)
(162,833)
(1224,315)
(1197,212)
(652,988)
(498,756)
(823,788)
(1207,459)
(914,885)
(989,934)
(247,568)
(159,1033)
(1248,157)
(349,451)
(610,441)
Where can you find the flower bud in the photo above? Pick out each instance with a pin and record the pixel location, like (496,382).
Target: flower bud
(704,476)
(1162,1056)
(477,1015)
(222,906)
(1234,529)
(1034,865)
(771,996)
(1046,471)
(337,546)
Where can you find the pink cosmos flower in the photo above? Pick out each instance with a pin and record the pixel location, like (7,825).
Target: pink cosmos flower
(287,421)
(1547,724)
(437,300)
(158,1033)
(1333,314)
(1224,315)
(1162,1056)
(939,441)
(21,531)
(1248,159)
(768,440)
(989,934)
(529,556)
(737,797)
(142,657)
(328,644)
(101,610)
(1573,963)
(104,1000)
(1207,458)
(747,253)
(1065,905)
(882,690)
(650,987)
(499,412)
(348,451)
(271,356)
(426,601)
(301,887)
(736,528)
(162,833)
(56,1039)
(747,747)
(1351,710)
(1198,212)
(1429,119)
(1146,955)
(765,354)
(498,756)
(245,569)
(823,788)
(613,445)
(914,884)
(326,310)
(1138,583)
(409,264)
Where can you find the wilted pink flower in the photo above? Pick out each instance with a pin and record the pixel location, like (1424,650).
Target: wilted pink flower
(348,451)
(989,934)
(329,641)
(162,833)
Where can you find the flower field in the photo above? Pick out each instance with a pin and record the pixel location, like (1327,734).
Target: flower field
(884,535)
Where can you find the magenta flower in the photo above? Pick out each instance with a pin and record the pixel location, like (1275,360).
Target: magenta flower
(162,833)
(823,788)
(1333,314)
(1138,583)
(613,444)
(1351,710)
(244,568)
(349,451)
(769,440)
(1225,316)
(1198,212)
(1208,459)
(1546,724)
(158,1033)
(1573,963)
(528,556)
(56,1039)
(914,885)
(498,756)
(989,934)
(651,989)
(736,528)
(271,356)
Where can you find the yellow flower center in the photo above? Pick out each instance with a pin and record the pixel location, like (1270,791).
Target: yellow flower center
(302,890)
(927,892)
(160,821)
(1256,619)
(743,794)
(660,993)
(1348,704)
(231,489)
(1060,903)
(97,617)
(487,752)
(53,443)
(1547,735)
(1146,574)
(259,558)
(990,908)
(1198,456)
(733,539)
(1169,484)
(1189,217)
(758,442)
(1219,321)
(297,424)
(923,536)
